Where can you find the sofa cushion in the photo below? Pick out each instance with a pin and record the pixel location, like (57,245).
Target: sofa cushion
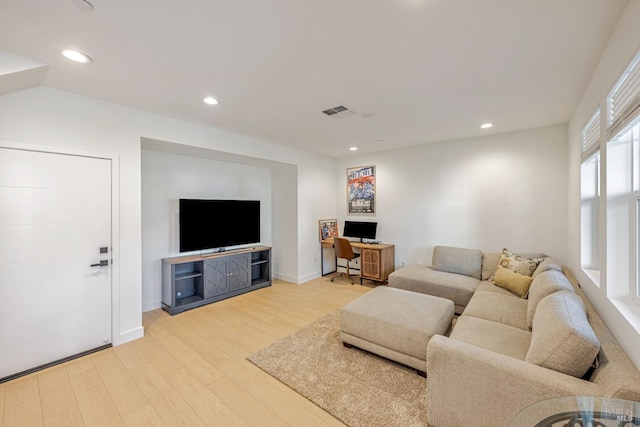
(547,264)
(457,260)
(420,278)
(493,336)
(512,281)
(490,262)
(518,263)
(562,338)
(543,285)
(498,308)
(487,286)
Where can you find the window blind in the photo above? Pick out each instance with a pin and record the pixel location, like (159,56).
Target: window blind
(624,99)
(591,136)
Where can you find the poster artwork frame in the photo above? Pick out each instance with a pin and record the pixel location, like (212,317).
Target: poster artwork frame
(328,229)
(361,201)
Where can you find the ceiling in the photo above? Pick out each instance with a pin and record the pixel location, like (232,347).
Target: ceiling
(411,71)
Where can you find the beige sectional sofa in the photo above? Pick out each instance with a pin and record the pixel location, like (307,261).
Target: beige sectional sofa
(505,352)
(456,273)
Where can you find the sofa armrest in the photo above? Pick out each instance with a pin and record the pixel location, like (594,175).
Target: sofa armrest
(468,384)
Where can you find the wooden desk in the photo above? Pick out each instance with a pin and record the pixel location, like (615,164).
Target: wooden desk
(377,259)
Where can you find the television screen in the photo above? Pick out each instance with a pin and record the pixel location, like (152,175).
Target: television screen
(209,224)
(362,230)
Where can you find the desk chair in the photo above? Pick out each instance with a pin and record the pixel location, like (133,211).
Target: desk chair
(344,251)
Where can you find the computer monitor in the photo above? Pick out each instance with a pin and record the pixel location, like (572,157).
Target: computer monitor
(360,229)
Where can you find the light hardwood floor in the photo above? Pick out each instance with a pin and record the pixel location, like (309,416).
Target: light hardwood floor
(189,369)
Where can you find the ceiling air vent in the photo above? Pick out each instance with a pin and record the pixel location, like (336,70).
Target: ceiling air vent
(338,112)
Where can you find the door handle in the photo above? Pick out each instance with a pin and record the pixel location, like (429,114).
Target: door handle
(102,263)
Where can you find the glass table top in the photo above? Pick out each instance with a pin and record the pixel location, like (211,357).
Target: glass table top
(579,411)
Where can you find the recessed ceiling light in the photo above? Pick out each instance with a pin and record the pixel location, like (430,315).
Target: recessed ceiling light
(210,100)
(353,148)
(486,125)
(76,56)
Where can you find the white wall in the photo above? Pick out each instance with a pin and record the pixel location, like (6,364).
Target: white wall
(487,193)
(284,194)
(166,178)
(50,117)
(316,201)
(622,47)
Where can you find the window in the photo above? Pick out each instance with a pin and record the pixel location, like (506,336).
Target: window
(623,185)
(590,197)
(623,213)
(620,210)
(590,185)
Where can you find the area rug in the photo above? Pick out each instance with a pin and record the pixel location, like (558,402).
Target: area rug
(357,387)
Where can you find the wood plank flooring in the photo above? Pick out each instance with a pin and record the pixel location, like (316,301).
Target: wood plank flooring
(189,369)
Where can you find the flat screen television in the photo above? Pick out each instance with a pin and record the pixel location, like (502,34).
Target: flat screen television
(360,229)
(211,224)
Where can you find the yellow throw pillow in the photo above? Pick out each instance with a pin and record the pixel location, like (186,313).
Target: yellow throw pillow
(514,282)
(517,264)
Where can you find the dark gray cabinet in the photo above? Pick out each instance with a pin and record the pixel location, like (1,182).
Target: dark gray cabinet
(192,281)
(216,279)
(226,274)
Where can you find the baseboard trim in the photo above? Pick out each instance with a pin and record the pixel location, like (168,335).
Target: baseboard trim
(308,277)
(151,306)
(297,280)
(130,335)
(286,278)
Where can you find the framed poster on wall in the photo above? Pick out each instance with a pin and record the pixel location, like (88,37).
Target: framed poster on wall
(361,190)
(328,228)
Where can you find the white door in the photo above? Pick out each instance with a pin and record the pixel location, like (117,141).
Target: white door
(55,215)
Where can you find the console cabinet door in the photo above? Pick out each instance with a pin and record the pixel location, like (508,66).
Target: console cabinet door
(216,273)
(370,263)
(239,272)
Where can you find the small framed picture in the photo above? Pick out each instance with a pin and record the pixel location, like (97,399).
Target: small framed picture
(328,228)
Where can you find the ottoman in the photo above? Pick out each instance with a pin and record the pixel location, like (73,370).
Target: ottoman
(395,324)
